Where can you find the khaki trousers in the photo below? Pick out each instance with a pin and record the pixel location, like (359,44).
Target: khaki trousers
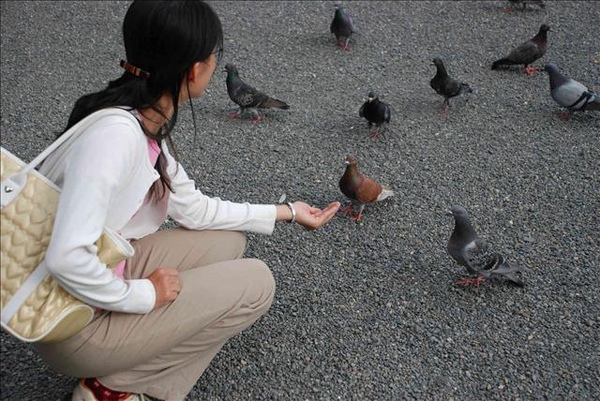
(164,353)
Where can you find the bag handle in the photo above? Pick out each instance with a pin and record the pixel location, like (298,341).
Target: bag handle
(12,185)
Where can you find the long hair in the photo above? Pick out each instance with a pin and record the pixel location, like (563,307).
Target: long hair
(164,38)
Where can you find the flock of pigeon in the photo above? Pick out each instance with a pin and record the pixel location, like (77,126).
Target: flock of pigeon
(464,245)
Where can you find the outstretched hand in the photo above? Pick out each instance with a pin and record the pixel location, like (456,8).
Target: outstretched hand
(311,217)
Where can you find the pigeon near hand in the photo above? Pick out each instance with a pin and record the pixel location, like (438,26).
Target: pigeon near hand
(342,27)
(377,113)
(476,255)
(569,93)
(527,52)
(446,86)
(360,189)
(248,97)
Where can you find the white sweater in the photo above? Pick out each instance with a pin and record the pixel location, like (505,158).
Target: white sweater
(104,175)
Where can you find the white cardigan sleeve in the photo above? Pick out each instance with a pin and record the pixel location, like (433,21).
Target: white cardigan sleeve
(99,164)
(194,210)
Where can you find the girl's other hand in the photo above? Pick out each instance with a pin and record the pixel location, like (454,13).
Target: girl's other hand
(166,284)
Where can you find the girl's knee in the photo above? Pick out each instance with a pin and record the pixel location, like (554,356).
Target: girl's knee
(263,281)
(239,240)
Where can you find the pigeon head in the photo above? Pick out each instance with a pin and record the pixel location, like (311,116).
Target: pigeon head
(458,211)
(351,160)
(542,32)
(371,96)
(437,61)
(544,28)
(231,68)
(556,78)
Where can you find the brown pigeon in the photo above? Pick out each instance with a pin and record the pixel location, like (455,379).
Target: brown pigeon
(360,189)
(527,52)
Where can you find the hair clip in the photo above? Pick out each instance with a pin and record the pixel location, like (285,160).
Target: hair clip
(132,69)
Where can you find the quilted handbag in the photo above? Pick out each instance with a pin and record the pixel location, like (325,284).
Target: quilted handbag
(34,307)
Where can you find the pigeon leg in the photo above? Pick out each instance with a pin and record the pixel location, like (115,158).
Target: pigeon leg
(445,107)
(375,134)
(256,119)
(360,213)
(467,281)
(531,70)
(346,47)
(565,115)
(348,209)
(234,114)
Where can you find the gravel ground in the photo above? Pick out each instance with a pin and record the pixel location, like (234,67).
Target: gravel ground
(368,311)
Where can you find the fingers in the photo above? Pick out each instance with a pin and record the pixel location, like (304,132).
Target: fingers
(166,285)
(316,217)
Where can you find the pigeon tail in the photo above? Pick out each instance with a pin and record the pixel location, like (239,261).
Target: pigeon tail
(502,62)
(465,88)
(270,103)
(594,103)
(385,193)
(504,269)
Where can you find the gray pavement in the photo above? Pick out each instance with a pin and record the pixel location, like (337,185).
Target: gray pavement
(367,311)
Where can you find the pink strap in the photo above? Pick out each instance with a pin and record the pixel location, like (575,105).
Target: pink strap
(119,269)
(153,150)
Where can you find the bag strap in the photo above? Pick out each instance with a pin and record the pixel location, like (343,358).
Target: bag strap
(14,183)
(76,129)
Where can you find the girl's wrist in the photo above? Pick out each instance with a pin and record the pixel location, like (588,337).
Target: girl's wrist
(286,212)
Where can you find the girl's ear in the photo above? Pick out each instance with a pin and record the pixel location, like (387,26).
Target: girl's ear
(195,71)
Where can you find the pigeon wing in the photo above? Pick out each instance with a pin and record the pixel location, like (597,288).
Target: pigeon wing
(568,94)
(525,53)
(368,191)
(361,111)
(246,96)
(387,114)
(479,257)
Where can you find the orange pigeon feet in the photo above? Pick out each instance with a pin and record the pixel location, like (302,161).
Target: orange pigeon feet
(468,281)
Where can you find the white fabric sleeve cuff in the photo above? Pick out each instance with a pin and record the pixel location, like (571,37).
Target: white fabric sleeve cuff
(263,219)
(143,296)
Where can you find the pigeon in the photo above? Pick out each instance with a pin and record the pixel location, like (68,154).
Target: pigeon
(342,27)
(445,85)
(527,52)
(360,189)
(472,252)
(375,112)
(248,97)
(524,3)
(570,94)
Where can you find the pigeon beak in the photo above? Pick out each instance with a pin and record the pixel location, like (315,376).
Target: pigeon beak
(449,212)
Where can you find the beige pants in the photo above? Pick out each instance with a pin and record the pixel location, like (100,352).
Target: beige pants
(164,353)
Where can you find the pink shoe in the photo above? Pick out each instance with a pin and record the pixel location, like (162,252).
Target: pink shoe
(92,390)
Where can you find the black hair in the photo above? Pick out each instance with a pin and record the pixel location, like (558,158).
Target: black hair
(163,38)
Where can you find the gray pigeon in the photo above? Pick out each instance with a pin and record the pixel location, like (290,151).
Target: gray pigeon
(570,94)
(467,249)
(527,52)
(342,26)
(445,85)
(246,96)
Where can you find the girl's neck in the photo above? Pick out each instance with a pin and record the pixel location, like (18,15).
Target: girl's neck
(152,120)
